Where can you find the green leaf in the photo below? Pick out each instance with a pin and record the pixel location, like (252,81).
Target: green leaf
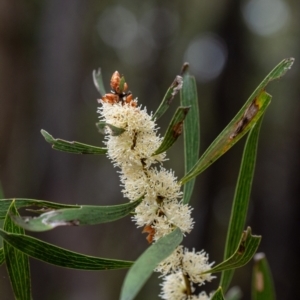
(233,132)
(84,215)
(20,202)
(240,124)
(71,147)
(245,251)
(218,295)
(98,82)
(17,264)
(168,98)
(147,262)
(262,281)
(241,199)
(115,131)
(61,257)
(174,130)
(191,130)
(2,257)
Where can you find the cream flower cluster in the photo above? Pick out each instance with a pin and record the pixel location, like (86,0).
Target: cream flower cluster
(180,264)
(174,288)
(142,175)
(162,209)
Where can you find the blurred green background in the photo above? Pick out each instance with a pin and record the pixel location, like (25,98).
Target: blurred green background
(48,50)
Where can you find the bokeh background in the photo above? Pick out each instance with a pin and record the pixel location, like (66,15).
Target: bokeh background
(48,50)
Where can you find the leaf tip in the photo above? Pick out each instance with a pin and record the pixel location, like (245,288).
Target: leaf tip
(48,137)
(185,69)
(259,256)
(289,62)
(96,73)
(287,65)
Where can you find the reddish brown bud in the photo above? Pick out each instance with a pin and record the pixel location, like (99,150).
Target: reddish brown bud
(110,98)
(115,81)
(117,94)
(128,98)
(151,232)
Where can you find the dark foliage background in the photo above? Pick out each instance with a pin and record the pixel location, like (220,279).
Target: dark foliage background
(48,50)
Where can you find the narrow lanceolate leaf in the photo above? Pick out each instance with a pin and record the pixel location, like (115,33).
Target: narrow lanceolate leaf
(241,199)
(188,97)
(85,215)
(245,251)
(174,130)
(17,263)
(72,147)
(147,262)
(2,257)
(168,98)
(19,202)
(262,281)
(218,294)
(61,257)
(98,82)
(114,131)
(249,114)
(233,132)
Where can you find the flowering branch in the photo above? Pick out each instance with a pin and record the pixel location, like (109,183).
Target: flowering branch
(162,208)
(155,195)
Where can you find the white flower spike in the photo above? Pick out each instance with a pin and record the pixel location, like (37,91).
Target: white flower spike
(131,151)
(142,174)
